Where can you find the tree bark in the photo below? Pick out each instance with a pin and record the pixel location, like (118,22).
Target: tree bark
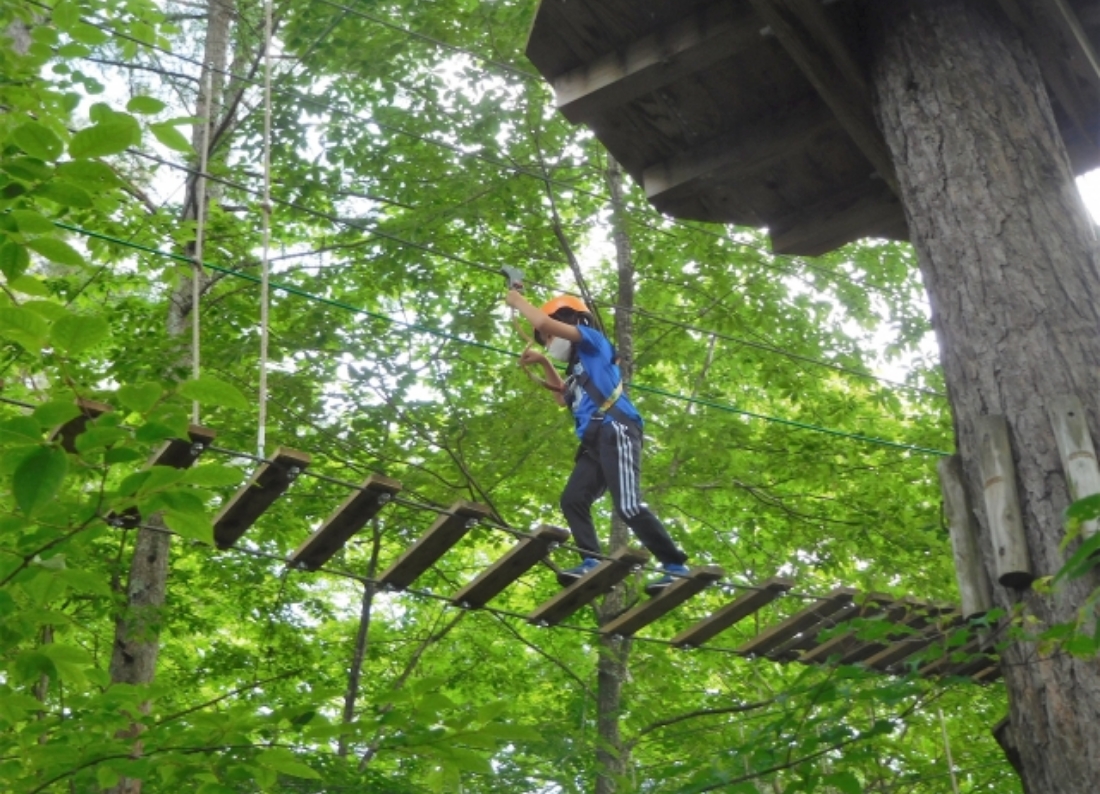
(612,755)
(1007,253)
(137,630)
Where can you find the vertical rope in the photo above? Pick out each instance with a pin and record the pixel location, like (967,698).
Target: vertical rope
(947,749)
(265,273)
(200,233)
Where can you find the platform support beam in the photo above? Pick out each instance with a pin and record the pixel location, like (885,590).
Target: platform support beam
(1075,447)
(974,587)
(1002,503)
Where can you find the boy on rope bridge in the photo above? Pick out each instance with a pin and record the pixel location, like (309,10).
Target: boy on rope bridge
(608,425)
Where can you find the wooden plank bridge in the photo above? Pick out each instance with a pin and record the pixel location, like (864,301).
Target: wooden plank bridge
(828,630)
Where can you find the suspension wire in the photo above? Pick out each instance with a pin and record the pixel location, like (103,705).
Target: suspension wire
(265,207)
(374,230)
(684,224)
(291,290)
(200,234)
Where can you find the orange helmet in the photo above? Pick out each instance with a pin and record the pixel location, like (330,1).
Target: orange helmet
(569,306)
(569,302)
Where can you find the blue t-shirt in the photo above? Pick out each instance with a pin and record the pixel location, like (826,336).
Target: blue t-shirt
(595,356)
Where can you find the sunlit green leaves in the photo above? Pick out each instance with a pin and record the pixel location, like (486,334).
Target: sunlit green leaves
(112,134)
(75,333)
(55,250)
(212,391)
(37,140)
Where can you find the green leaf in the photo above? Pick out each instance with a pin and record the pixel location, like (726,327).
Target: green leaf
(37,140)
(29,285)
(140,397)
(145,104)
(111,136)
(39,478)
(213,475)
(89,174)
(23,326)
(845,782)
(86,34)
(56,251)
(75,333)
(29,169)
(14,260)
(20,430)
(57,412)
(1082,561)
(171,137)
(66,14)
(209,390)
(31,222)
(106,777)
(189,525)
(47,309)
(65,193)
(284,761)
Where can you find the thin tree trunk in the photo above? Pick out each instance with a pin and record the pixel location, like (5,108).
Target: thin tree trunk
(1007,252)
(612,756)
(137,630)
(361,638)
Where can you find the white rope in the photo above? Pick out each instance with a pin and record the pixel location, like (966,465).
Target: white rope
(200,234)
(265,274)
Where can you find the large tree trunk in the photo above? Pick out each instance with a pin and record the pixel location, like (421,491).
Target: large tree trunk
(1007,252)
(612,756)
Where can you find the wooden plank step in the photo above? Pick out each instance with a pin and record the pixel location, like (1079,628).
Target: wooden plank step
(350,517)
(919,616)
(733,612)
(973,667)
(602,578)
(876,604)
(178,453)
(907,646)
(519,559)
(67,433)
(447,530)
(267,484)
(668,599)
(806,619)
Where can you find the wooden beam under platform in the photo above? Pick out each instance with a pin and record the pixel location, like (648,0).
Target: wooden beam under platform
(900,650)
(737,155)
(808,619)
(601,579)
(351,516)
(268,483)
(868,210)
(918,617)
(66,434)
(448,529)
(668,599)
(655,61)
(733,612)
(519,559)
(814,43)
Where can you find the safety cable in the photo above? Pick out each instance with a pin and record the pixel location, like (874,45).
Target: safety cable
(374,230)
(689,225)
(286,288)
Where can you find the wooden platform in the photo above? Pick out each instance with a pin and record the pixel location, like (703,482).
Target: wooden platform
(66,434)
(757,112)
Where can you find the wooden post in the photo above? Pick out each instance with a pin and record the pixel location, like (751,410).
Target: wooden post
(974,587)
(1002,503)
(1067,416)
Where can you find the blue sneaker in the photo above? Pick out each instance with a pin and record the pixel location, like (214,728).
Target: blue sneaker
(571,575)
(673,572)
